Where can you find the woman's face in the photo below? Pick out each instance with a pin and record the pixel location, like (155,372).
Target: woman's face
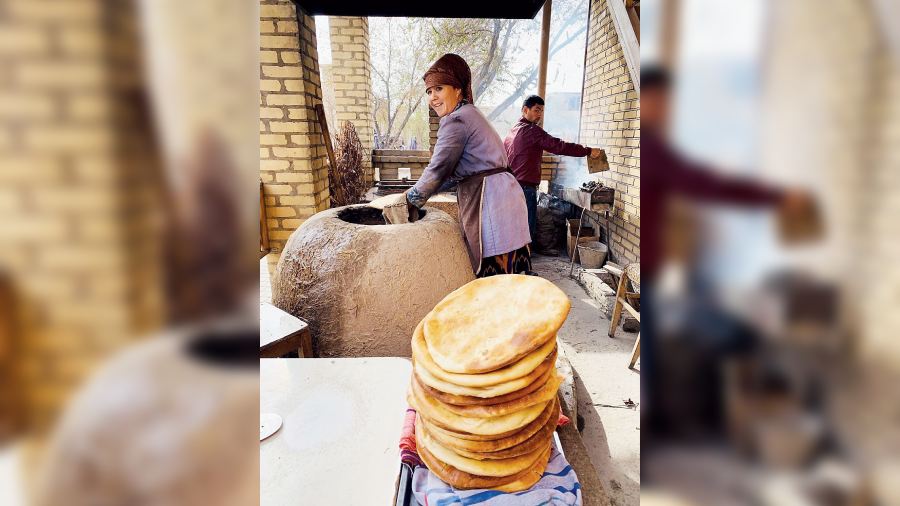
(443,98)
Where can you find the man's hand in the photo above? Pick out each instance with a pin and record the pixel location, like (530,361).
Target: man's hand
(596,152)
(800,219)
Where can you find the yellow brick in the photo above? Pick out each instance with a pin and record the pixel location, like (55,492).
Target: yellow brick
(57,75)
(278,42)
(296,126)
(291,224)
(287,27)
(277,11)
(294,85)
(33,106)
(284,99)
(289,177)
(290,57)
(278,189)
(280,234)
(263,153)
(292,152)
(266,26)
(19,41)
(274,165)
(281,212)
(88,107)
(269,85)
(291,71)
(271,113)
(300,113)
(44,10)
(268,57)
(81,40)
(68,139)
(272,140)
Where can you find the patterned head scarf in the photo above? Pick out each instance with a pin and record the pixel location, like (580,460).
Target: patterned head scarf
(451,70)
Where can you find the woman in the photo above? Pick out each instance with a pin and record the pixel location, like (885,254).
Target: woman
(492,210)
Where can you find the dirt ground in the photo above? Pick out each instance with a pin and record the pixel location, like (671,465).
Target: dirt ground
(612,434)
(611,431)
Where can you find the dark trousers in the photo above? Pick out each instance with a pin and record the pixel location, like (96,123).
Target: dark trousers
(531,203)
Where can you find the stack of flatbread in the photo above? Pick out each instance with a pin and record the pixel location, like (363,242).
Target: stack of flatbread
(485,382)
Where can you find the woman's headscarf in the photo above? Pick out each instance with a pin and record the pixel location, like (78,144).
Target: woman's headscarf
(451,70)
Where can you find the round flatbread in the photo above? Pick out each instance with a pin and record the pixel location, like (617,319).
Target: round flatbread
(540,396)
(516,370)
(468,400)
(490,468)
(486,450)
(463,480)
(439,415)
(472,442)
(487,392)
(492,322)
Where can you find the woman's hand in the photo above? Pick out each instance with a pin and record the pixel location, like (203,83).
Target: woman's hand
(411,209)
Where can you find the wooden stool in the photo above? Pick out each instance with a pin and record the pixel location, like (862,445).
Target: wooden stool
(624,298)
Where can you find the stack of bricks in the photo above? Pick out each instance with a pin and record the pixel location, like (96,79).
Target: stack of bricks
(610,118)
(73,182)
(293,161)
(352,80)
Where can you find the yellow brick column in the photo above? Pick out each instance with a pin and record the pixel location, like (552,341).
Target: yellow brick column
(76,184)
(353,82)
(292,163)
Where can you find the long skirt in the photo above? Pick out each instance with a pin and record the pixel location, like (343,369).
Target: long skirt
(514,262)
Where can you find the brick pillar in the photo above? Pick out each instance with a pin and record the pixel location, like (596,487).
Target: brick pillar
(75,175)
(353,82)
(293,163)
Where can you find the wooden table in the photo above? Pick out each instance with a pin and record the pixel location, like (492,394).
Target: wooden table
(342,421)
(281,333)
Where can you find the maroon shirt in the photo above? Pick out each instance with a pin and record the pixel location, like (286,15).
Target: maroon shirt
(525,145)
(665,174)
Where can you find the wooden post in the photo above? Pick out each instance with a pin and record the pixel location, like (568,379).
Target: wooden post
(545,51)
(338,183)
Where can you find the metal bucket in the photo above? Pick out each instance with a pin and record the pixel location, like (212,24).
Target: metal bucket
(592,254)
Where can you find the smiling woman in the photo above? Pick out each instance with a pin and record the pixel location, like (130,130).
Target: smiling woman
(492,209)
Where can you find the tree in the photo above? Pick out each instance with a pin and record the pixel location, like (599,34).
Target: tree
(403,48)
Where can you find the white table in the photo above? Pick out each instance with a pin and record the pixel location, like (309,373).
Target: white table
(339,440)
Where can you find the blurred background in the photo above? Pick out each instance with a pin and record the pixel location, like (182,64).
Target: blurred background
(771,135)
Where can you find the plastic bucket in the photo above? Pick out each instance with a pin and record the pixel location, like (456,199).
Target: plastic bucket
(592,254)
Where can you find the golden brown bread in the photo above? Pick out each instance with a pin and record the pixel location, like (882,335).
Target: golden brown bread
(500,449)
(492,322)
(468,400)
(463,480)
(542,395)
(504,440)
(493,468)
(485,392)
(518,369)
(439,415)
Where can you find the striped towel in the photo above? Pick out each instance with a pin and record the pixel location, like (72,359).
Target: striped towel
(558,486)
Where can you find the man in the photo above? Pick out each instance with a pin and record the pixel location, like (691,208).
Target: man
(711,334)
(525,145)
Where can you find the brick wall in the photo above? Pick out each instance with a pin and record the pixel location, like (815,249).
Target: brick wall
(293,161)
(434,122)
(550,165)
(352,81)
(73,238)
(610,119)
